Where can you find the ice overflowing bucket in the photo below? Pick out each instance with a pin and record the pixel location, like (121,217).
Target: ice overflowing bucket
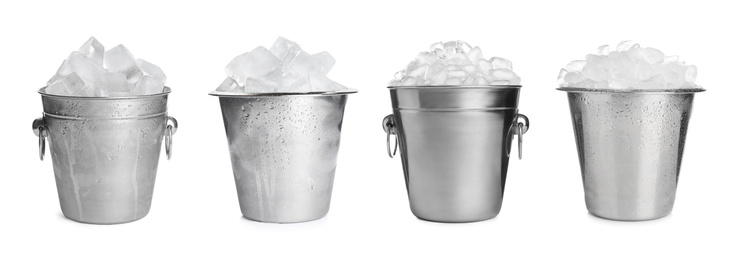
(105,153)
(283,148)
(455,143)
(630,145)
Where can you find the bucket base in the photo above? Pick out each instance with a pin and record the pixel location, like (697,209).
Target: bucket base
(105,222)
(454,221)
(629,219)
(284,222)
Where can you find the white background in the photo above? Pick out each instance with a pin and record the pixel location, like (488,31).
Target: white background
(195,212)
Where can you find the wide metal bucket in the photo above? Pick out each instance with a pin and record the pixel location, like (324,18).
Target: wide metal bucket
(283,148)
(455,143)
(630,146)
(105,153)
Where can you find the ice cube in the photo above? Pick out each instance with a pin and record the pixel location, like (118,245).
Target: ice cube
(480,81)
(88,70)
(502,74)
(70,85)
(457,74)
(576,65)
(453,82)
(253,64)
(463,47)
(452,67)
(229,85)
(468,81)
(58,74)
(500,63)
(624,46)
(653,56)
(151,69)
(574,77)
(436,46)
(417,71)
(457,58)
(301,84)
(147,85)
(671,59)
(469,68)
(484,66)
(425,58)
(254,85)
(284,48)
(603,50)
(408,81)
(474,55)
(313,65)
(500,82)
(515,81)
(585,84)
(113,85)
(436,73)
(119,59)
(657,82)
(560,78)
(94,50)
(690,74)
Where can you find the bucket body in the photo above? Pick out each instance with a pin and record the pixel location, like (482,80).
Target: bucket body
(455,143)
(630,146)
(283,149)
(105,153)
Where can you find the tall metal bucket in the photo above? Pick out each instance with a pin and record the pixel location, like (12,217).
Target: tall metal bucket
(283,148)
(455,142)
(630,145)
(105,153)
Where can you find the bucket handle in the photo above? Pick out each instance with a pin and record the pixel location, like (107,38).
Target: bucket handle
(389,126)
(171,126)
(518,128)
(39,129)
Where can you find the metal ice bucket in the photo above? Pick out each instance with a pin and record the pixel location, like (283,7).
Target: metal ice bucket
(630,145)
(283,148)
(455,142)
(105,153)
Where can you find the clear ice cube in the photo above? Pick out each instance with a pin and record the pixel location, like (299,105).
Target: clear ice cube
(113,85)
(253,64)
(151,69)
(603,50)
(408,81)
(474,55)
(453,82)
(500,63)
(690,74)
(228,85)
(502,74)
(119,59)
(94,50)
(70,85)
(576,65)
(653,56)
(147,85)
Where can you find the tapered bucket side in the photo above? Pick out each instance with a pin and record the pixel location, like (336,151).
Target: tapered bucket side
(283,150)
(630,147)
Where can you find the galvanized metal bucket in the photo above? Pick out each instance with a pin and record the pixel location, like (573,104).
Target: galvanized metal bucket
(630,145)
(105,153)
(283,148)
(455,142)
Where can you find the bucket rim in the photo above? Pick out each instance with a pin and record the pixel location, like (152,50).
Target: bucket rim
(456,87)
(42,91)
(633,91)
(276,94)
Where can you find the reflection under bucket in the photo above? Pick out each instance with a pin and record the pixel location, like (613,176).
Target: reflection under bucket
(630,145)
(105,153)
(283,149)
(455,144)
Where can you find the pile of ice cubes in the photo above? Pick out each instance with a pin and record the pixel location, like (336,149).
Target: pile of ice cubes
(629,66)
(94,72)
(285,67)
(456,63)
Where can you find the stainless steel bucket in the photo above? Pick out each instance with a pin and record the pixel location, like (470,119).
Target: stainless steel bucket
(455,143)
(105,153)
(630,146)
(283,148)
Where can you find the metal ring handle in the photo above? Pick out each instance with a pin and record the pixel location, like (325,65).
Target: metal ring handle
(39,129)
(169,141)
(517,128)
(170,131)
(389,127)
